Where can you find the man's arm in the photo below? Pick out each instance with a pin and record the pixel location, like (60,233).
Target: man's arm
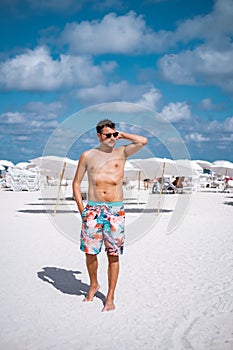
(137,142)
(81,169)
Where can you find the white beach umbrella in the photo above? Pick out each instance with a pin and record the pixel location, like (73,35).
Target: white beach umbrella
(188,167)
(222,167)
(31,166)
(168,166)
(57,166)
(7,163)
(2,167)
(196,168)
(132,172)
(129,166)
(153,167)
(146,165)
(204,164)
(23,165)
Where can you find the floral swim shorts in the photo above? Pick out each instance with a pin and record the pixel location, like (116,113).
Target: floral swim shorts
(103,222)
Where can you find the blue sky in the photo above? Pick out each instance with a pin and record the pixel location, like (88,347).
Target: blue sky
(173,56)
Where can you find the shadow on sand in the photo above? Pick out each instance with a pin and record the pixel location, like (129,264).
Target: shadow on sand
(66,282)
(44,211)
(228,203)
(146,210)
(60,211)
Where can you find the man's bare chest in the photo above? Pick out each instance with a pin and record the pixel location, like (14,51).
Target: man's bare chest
(106,165)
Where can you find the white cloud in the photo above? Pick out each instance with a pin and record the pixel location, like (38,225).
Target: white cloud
(134,129)
(87,140)
(176,112)
(121,107)
(101,93)
(151,98)
(12,118)
(22,138)
(210,61)
(113,34)
(213,27)
(28,128)
(178,68)
(130,34)
(215,133)
(36,118)
(41,124)
(228,138)
(45,111)
(36,70)
(225,126)
(26,152)
(121,91)
(26,122)
(202,65)
(196,137)
(33,124)
(207,105)
(228,124)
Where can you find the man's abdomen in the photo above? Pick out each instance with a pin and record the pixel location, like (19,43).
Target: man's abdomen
(105,193)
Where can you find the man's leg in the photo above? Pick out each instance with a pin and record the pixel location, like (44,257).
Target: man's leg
(113,272)
(92,266)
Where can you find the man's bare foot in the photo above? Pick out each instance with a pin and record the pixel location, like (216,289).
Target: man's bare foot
(91,293)
(109,306)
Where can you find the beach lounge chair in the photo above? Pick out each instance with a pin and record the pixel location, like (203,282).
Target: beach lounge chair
(167,187)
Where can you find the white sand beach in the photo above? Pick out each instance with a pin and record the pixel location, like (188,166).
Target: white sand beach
(174,291)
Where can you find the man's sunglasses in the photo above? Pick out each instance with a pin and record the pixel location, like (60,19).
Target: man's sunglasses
(114,134)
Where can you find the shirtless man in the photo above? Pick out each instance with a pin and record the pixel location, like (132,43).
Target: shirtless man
(103,218)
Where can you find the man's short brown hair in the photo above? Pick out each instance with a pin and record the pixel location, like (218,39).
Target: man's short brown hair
(103,123)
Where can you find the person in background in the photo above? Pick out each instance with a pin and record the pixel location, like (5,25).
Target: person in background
(178,182)
(146,183)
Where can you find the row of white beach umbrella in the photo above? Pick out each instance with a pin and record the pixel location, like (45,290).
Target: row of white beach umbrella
(150,167)
(55,166)
(155,167)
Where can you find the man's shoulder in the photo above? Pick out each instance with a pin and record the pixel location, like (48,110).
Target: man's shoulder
(88,152)
(88,155)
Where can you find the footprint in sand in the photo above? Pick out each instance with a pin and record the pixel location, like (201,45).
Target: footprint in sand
(224,306)
(211,329)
